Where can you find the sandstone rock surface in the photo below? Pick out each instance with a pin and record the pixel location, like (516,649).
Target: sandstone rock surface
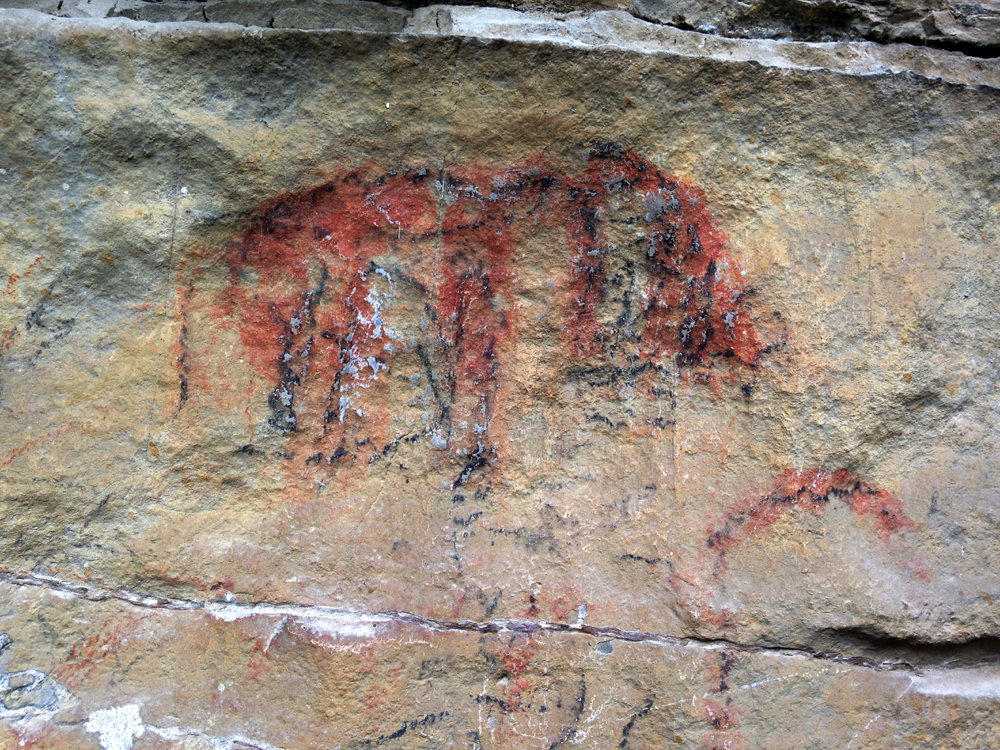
(464,377)
(953,25)
(972,27)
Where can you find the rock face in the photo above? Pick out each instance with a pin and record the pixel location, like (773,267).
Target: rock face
(467,377)
(970,26)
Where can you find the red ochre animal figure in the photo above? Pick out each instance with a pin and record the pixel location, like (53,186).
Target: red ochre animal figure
(316,278)
(312,275)
(812,489)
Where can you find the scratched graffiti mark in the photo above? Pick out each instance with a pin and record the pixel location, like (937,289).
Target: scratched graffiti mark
(334,287)
(807,489)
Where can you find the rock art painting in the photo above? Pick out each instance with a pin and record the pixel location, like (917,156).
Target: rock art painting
(415,312)
(508,378)
(813,490)
(330,287)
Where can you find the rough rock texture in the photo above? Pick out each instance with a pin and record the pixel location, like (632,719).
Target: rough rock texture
(974,26)
(490,379)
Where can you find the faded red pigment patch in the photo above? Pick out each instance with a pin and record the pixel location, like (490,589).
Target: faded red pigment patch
(476,314)
(720,711)
(811,489)
(88,657)
(721,715)
(30,445)
(695,298)
(516,663)
(696,598)
(302,284)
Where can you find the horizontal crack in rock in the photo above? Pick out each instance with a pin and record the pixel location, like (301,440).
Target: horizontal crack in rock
(230,611)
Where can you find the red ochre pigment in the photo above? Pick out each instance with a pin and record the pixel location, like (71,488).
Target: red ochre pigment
(302,291)
(812,489)
(695,294)
(301,285)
